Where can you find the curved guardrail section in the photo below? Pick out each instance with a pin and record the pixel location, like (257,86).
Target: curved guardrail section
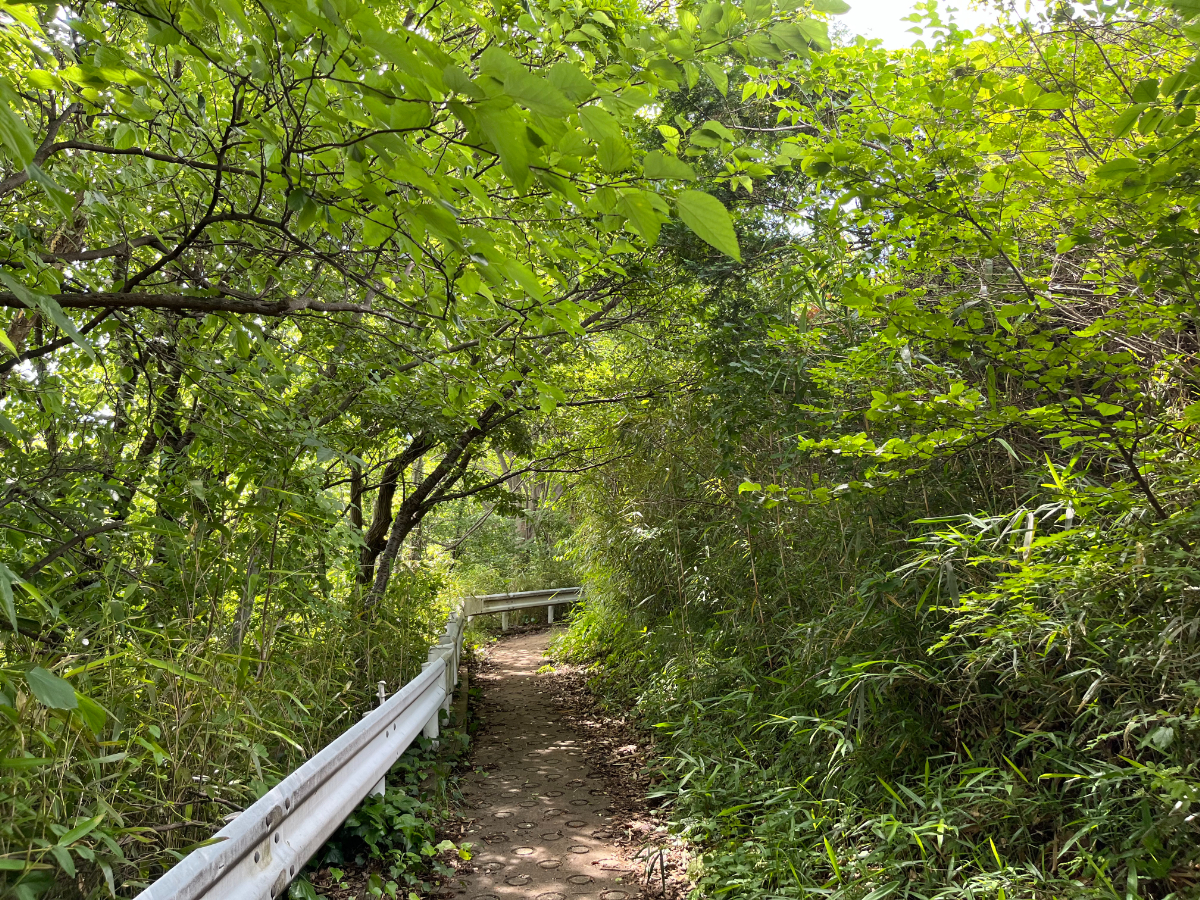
(257,855)
(483,604)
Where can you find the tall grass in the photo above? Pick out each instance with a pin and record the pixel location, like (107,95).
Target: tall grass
(174,731)
(883,696)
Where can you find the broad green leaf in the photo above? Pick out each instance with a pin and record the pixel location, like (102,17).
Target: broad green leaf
(704,215)
(51,690)
(756,10)
(506,130)
(657,164)
(1188,9)
(62,200)
(832,7)
(816,31)
(91,712)
(524,276)
(1118,168)
(498,63)
(719,77)
(1145,91)
(598,124)
(614,155)
(759,46)
(1124,123)
(641,210)
(537,94)
(1051,101)
(568,79)
(378,227)
(15,136)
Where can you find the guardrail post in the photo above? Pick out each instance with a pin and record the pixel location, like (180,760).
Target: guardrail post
(550,614)
(431,727)
(380,786)
(504,621)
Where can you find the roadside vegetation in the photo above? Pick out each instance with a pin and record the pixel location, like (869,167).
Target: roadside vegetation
(906,581)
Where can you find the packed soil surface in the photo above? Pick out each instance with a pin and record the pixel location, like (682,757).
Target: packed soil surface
(555,804)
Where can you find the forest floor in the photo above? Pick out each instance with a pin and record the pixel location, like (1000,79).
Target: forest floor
(555,802)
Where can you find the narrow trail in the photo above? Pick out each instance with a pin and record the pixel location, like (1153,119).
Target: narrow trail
(541,820)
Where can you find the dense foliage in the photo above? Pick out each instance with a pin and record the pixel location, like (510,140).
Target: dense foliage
(330,263)
(907,583)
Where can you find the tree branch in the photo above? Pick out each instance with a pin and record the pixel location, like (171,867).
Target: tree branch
(193,303)
(68,545)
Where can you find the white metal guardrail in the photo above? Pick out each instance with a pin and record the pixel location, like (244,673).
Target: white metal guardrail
(257,855)
(505,603)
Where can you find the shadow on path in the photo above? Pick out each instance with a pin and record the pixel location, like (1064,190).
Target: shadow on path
(539,819)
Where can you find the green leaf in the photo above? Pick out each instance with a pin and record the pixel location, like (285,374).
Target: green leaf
(378,227)
(756,10)
(50,308)
(657,164)
(62,200)
(92,713)
(816,31)
(506,130)
(598,124)
(790,37)
(14,134)
(524,276)
(1124,123)
(640,209)
(1145,91)
(81,830)
(21,763)
(1188,9)
(1118,168)
(720,78)
(7,578)
(1108,409)
(63,857)
(570,81)
(704,215)
(1051,101)
(614,155)
(537,94)
(51,690)
(832,7)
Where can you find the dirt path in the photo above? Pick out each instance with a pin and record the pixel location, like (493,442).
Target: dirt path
(540,819)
